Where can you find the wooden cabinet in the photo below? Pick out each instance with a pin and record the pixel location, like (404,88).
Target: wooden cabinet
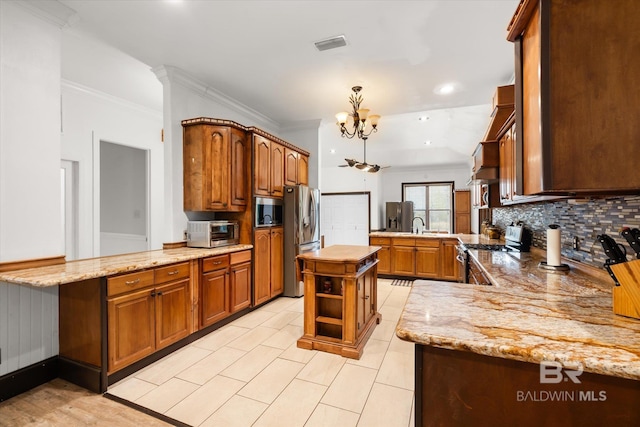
(215,162)
(462,211)
(269,167)
(215,297)
(403,256)
(290,167)
(384,254)
(147,311)
(303,169)
(507,167)
(486,161)
(427,258)
(225,286)
(269,269)
(418,257)
(576,100)
(340,302)
(449,264)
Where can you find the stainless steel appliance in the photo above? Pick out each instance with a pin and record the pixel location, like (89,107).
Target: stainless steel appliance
(301,231)
(211,234)
(268,212)
(399,216)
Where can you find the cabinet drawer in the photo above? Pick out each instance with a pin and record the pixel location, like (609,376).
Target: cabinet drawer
(401,241)
(129,282)
(379,241)
(215,263)
(429,243)
(238,257)
(172,272)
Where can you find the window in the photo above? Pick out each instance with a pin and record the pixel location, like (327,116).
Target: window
(433,202)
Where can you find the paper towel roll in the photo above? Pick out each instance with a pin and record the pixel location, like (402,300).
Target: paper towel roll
(553,246)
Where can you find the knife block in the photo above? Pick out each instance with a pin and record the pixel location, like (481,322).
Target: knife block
(626,297)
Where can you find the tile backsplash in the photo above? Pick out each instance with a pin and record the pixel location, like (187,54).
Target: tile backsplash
(584,219)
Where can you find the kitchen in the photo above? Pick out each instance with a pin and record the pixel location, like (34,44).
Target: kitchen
(582,226)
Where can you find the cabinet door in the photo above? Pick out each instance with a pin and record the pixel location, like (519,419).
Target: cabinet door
(449,262)
(261,166)
(277,261)
(131,334)
(428,262)
(217,165)
(290,167)
(463,211)
(403,260)
(240,286)
(303,169)
(172,305)
(239,191)
(277,169)
(506,163)
(262,266)
(384,257)
(215,296)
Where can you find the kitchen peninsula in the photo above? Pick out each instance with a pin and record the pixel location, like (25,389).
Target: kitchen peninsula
(341,298)
(119,313)
(480,349)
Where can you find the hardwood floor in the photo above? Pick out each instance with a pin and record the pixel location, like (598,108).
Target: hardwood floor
(59,403)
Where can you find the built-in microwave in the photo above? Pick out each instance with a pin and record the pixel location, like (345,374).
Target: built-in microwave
(268,212)
(211,234)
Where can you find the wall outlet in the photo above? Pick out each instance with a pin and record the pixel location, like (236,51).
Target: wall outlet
(576,243)
(184,234)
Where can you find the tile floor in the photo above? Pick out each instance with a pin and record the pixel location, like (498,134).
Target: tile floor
(250,373)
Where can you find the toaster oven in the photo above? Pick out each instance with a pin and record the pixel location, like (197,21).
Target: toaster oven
(211,234)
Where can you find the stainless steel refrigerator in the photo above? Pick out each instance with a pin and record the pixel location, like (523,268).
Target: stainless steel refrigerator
(399,216)
(301,219)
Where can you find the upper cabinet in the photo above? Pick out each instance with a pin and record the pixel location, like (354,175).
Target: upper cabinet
(577,97)
(268,167)
(290,167)
(215,167)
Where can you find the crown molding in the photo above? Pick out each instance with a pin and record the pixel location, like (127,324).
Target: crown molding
(51,11)
(168,74)
(77,87)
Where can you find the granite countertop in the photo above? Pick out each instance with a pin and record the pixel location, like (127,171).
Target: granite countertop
(419,235)
(74,271)
(529,314)
(340,253)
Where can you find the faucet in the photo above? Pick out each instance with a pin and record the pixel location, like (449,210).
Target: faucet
(421,220)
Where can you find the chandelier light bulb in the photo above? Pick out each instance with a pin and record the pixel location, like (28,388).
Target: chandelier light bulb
(361,119)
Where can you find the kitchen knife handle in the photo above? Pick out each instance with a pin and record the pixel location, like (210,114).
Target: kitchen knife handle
(633,238)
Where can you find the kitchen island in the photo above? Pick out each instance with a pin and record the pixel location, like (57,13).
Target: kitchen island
(513,353)
(341,298)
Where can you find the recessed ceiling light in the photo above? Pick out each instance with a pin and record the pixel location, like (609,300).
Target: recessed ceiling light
(423,118)
(332,151)
(446,89)
(427,142)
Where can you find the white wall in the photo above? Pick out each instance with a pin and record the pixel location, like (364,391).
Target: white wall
(30,205)
(306,136)
(90,116)
(185,98)
(393,178)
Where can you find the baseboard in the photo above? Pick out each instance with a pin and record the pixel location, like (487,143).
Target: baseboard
(22,380)
(89,377)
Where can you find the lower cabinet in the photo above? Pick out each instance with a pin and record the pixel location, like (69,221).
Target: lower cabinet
(225,287)
(422,257)
(269,258)
(147,310)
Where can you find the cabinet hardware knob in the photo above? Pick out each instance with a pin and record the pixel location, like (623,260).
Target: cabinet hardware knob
(153,293)
(132,282)
(217,262)
(171,273)
(159,293)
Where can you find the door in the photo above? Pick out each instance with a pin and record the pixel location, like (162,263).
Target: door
(345,218)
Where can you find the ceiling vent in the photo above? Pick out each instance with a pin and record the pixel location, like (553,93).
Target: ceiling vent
(331,43)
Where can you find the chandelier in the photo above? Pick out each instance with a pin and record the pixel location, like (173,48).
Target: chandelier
(360,116)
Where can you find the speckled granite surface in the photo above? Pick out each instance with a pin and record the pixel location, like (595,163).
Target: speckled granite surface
(529,315)
(421,235)
(75,271)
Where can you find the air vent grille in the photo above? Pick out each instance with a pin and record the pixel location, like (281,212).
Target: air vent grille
(332,43)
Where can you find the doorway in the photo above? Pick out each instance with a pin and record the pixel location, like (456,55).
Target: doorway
(345,218)
(124,199)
